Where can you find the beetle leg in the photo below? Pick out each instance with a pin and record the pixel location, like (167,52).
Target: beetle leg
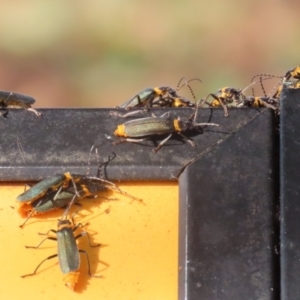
(88,262)
(47,238)
(161,143)
(5,112)
(132,113)
(47,233)
(166,114)
(128,140)
(28,217)
(34,111)
(84,233)
(221,102)
(50,257)
(187,139)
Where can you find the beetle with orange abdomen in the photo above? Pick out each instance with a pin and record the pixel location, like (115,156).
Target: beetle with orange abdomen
(67,252)
(138,130)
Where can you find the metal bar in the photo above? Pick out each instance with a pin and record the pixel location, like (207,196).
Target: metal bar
(228,232)
(290,193)
(35,147)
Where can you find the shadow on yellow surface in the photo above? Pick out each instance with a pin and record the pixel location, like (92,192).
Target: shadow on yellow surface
(138,256)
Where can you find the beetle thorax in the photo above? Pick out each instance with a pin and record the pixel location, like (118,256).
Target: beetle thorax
(183,124)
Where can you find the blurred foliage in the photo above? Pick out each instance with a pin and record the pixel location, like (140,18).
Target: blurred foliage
(100,53)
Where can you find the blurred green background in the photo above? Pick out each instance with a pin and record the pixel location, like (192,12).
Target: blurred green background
(100,53)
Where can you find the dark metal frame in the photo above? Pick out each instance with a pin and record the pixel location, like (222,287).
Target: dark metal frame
(290,194)
(229,187)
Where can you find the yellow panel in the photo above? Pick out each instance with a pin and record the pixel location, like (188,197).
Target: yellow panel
(138,257)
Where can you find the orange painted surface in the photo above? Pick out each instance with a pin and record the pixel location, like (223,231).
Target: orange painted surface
(137,257)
